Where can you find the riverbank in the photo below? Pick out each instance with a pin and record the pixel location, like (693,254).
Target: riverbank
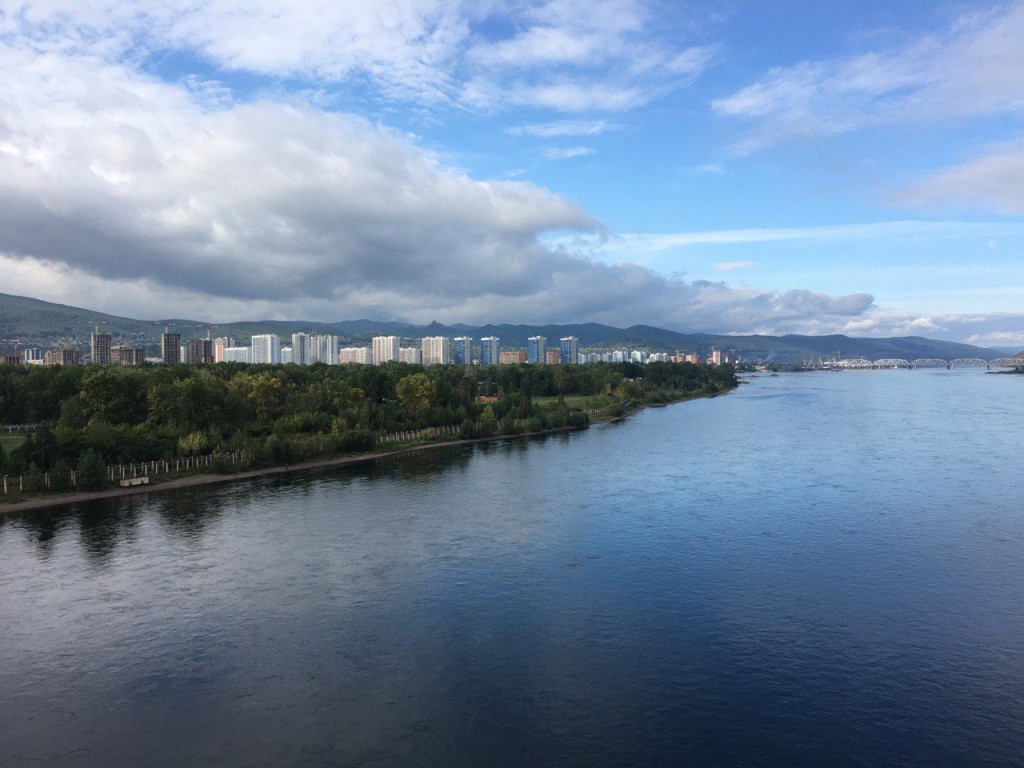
(191,481)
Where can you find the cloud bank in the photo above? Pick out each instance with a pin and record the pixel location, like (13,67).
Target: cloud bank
(178,198)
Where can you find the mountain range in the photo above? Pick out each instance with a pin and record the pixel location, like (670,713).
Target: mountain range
(32,322)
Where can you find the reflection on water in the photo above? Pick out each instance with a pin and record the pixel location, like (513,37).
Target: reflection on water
(817,570)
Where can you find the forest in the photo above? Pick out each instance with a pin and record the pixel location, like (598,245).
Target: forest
(90,416)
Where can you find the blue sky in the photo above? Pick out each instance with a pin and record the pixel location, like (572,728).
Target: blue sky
(733,167)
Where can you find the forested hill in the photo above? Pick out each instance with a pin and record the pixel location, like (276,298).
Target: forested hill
(34,322)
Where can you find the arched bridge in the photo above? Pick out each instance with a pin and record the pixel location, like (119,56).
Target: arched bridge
(859,363)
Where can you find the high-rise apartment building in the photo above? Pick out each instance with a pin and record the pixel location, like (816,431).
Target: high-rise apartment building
(553,356)
(385,349)
(99,348)
(302,349)
(437,350)
(512,357)
(170,348)
(536,349)
(199,351)
(570,347)
(489,350)
(325,349)
(287,356)
(462,351)
(266,348)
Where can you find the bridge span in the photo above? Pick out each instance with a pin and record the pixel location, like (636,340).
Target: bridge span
(860,363)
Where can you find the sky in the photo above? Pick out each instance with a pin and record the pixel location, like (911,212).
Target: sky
(729,167)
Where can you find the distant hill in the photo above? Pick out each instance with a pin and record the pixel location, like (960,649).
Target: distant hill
(41,323)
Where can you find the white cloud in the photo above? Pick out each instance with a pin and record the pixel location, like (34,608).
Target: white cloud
(562,128)
(975,68)
(999,339)
(565,55)
(636,243)
(993,182)
(706,169)
(566,153)
(732,266)
(990,329)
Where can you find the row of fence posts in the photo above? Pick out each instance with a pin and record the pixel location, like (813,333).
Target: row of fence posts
(416,434)
(186,463)
(154,468)
(140,469)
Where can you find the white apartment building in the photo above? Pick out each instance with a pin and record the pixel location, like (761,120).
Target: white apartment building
(266,348)
(234,354)
(302,352)
(385,349)
(437,350)
(325,349)
(287,356)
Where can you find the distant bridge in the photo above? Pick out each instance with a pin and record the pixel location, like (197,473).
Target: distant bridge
(860,363)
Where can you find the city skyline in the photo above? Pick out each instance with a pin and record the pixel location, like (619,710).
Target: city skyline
(620,162)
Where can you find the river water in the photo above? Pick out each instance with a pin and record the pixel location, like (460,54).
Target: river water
(817,569)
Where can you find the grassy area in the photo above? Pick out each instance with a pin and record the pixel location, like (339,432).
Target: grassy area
(10,442)
(575,401)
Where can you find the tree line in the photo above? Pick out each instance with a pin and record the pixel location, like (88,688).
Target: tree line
(93,415)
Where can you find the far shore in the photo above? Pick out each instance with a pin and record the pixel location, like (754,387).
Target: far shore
(61,500)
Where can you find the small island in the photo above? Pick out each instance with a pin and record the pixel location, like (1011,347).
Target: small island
(91,427)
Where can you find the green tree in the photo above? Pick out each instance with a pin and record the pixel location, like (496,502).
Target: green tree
(92,471)
(192,444)
(417,393)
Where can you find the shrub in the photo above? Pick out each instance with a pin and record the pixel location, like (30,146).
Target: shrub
(60,476)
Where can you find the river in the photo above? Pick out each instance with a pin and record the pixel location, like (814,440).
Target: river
(817,569)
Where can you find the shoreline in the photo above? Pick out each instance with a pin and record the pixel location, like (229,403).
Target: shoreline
(193,481)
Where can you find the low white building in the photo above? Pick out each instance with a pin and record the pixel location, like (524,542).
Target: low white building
(236,355)
(355,355)
(412,355)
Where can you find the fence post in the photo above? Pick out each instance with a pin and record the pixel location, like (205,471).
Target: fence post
(5,485)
